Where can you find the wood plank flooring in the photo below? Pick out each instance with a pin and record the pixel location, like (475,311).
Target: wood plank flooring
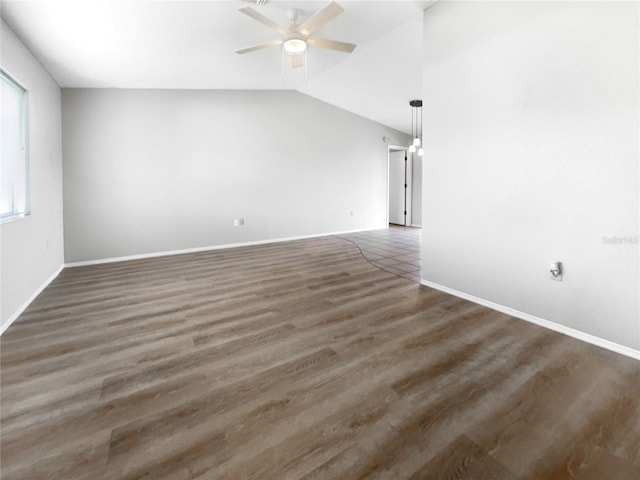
(300,360)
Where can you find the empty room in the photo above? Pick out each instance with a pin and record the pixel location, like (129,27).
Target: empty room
(264,239)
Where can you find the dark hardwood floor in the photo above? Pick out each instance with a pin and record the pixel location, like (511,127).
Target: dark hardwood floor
(300,360)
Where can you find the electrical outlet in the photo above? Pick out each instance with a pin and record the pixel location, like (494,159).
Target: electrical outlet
(241,220)
(555,271)
(236,222)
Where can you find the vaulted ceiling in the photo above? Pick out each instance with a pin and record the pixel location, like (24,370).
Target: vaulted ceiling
(191,45)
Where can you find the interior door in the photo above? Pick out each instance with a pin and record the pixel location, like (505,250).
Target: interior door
(397,188)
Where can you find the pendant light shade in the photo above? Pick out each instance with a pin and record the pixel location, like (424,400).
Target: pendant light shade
(416,133)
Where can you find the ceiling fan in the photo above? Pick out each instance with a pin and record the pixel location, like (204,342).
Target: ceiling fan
(296,36)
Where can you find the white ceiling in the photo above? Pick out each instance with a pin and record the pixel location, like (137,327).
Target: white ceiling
(191,44)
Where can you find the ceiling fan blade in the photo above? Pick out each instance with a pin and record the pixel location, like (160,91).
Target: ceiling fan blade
(260,46)
(297,61)
(332,44)
(319,18)
(263,20)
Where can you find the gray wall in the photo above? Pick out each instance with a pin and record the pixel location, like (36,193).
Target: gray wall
(531,110)
(156,170)
(31,249)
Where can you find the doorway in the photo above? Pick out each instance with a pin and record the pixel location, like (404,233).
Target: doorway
(404,188)
(399,187)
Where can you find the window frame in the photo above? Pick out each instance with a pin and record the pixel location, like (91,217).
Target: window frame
(24,140)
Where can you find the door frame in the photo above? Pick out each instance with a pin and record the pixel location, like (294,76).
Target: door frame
(409,180)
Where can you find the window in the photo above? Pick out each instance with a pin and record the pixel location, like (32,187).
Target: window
(14,162)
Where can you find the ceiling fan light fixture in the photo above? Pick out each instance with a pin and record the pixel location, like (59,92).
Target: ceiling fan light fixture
(295,36)
(295,46)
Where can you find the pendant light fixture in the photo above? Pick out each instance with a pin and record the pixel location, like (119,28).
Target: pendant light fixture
(416,133)
(412,147)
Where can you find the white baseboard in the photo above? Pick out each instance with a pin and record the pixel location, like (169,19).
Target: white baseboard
(46,283)
(209,248)
(585,337)
(5,325)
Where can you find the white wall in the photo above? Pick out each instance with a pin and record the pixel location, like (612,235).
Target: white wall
(385,71)
(32,248)
(531,130)
(416,190)
(159,170)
